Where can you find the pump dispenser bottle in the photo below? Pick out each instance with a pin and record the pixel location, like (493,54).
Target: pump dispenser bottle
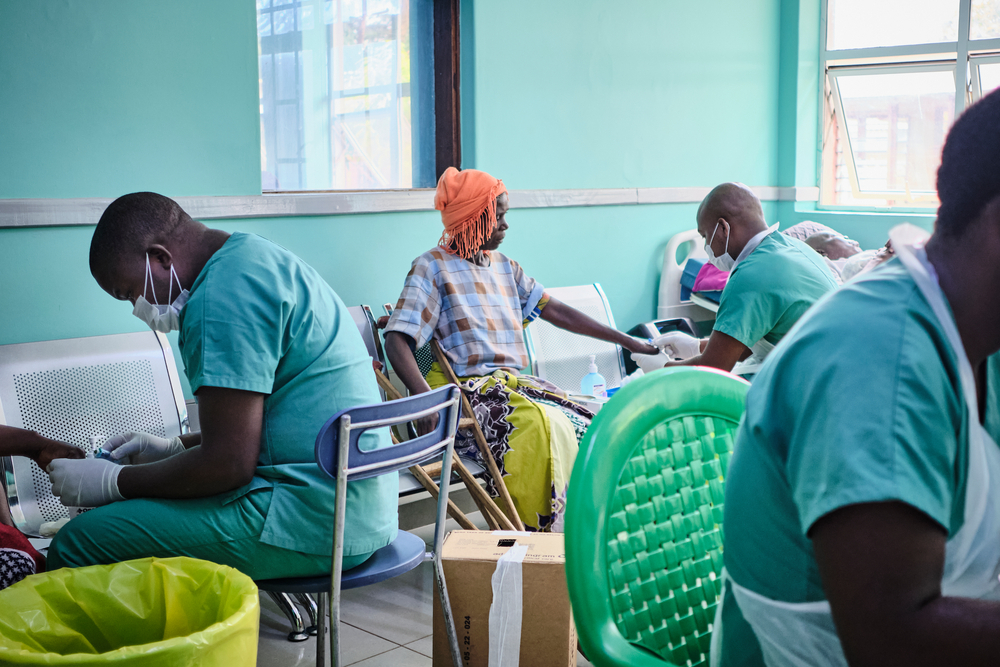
(592,383)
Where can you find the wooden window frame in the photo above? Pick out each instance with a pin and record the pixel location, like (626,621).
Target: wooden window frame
(447,88)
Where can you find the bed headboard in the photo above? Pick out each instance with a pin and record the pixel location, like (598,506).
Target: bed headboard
(684,244)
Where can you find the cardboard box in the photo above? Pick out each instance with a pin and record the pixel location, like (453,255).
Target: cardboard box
(548,636)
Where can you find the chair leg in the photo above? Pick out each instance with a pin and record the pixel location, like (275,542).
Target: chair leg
(306,601)
(324,608)
(298,633)
(446,613)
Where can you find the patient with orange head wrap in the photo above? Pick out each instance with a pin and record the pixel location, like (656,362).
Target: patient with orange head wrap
(475,302)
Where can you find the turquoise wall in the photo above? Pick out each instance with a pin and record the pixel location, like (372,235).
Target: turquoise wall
(658,93)
(103,98)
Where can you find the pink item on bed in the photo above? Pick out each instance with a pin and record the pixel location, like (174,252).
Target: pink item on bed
(710,279)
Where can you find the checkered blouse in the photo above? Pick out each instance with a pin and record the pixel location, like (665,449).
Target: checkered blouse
(476,313)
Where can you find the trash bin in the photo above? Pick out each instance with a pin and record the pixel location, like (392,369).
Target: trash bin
(150,612)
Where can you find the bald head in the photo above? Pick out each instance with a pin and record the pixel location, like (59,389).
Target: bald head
(735,203)
(731,214)
(145,243)
(131,224)
(833,246)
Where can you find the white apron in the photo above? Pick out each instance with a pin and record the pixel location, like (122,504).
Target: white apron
(761,348)
(803,634)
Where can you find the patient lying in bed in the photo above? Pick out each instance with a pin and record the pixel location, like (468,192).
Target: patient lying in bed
(844,256)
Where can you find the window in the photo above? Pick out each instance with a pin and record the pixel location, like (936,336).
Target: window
(897,73)
(350,97)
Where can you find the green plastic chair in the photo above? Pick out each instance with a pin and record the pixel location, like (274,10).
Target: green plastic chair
(644,518)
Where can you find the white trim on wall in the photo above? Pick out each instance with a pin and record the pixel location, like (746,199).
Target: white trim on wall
(72,212)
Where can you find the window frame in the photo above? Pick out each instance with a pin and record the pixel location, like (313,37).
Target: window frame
(834,74)
(962,56)
(446,50)
(975,85)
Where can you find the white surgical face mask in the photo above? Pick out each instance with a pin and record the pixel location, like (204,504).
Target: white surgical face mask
(163,318)
(723,262)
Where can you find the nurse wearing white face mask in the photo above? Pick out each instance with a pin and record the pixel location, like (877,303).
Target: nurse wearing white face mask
(163,318)
(862,513)
(271,352)
(774,279)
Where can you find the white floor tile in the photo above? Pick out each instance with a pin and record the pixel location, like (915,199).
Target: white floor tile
(423,646)
(274,649)
(398,610)
(400,657)
(581,661)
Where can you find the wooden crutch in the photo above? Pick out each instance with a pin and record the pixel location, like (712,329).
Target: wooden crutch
(425,474)
(477,432)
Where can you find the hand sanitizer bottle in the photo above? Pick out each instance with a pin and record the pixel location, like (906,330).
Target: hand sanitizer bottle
(592,383)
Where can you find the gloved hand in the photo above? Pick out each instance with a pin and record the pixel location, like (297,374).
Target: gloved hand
(85,482)
(650,362)
(137,448)
(678,344)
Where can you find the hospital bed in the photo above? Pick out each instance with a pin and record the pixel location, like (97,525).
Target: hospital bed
(674,300)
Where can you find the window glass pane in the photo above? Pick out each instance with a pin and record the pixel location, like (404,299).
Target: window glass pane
(989,77)
(896,124)
(985,20)
(346,94)
(856,24)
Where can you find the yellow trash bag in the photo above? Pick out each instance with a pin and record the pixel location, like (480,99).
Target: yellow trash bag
(149,612)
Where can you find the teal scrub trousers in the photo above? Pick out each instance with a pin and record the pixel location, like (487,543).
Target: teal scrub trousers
(205,528)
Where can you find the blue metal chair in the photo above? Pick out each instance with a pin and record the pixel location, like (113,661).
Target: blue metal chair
(339,456)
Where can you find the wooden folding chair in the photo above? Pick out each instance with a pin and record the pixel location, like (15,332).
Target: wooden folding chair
(495,518)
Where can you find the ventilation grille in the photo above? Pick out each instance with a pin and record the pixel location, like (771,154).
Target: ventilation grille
(76,404)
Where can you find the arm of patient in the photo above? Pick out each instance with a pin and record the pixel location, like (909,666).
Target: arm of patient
(398,349)
(21,442)
(566,317)
(721,351)
(225,459)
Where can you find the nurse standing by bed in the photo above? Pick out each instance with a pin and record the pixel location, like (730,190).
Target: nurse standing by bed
(774,279)
(862,513)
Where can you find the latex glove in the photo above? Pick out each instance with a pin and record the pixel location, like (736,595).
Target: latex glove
(85,482)
(137,448)
(650,362)
(678,344)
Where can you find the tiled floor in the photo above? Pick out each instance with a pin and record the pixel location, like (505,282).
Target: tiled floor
(384,625)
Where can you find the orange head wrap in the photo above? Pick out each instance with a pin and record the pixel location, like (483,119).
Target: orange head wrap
(463,197)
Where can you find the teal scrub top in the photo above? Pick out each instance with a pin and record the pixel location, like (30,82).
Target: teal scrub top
(861,403)
(770,290)
(260,319)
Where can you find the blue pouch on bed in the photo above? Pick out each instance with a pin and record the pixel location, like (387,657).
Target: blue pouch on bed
(691,269)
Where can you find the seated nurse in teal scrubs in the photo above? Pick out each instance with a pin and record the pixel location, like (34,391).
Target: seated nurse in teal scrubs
(862,514)
(774,279)
(271,353)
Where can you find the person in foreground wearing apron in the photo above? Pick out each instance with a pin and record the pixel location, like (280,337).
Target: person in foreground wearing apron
(862,515)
